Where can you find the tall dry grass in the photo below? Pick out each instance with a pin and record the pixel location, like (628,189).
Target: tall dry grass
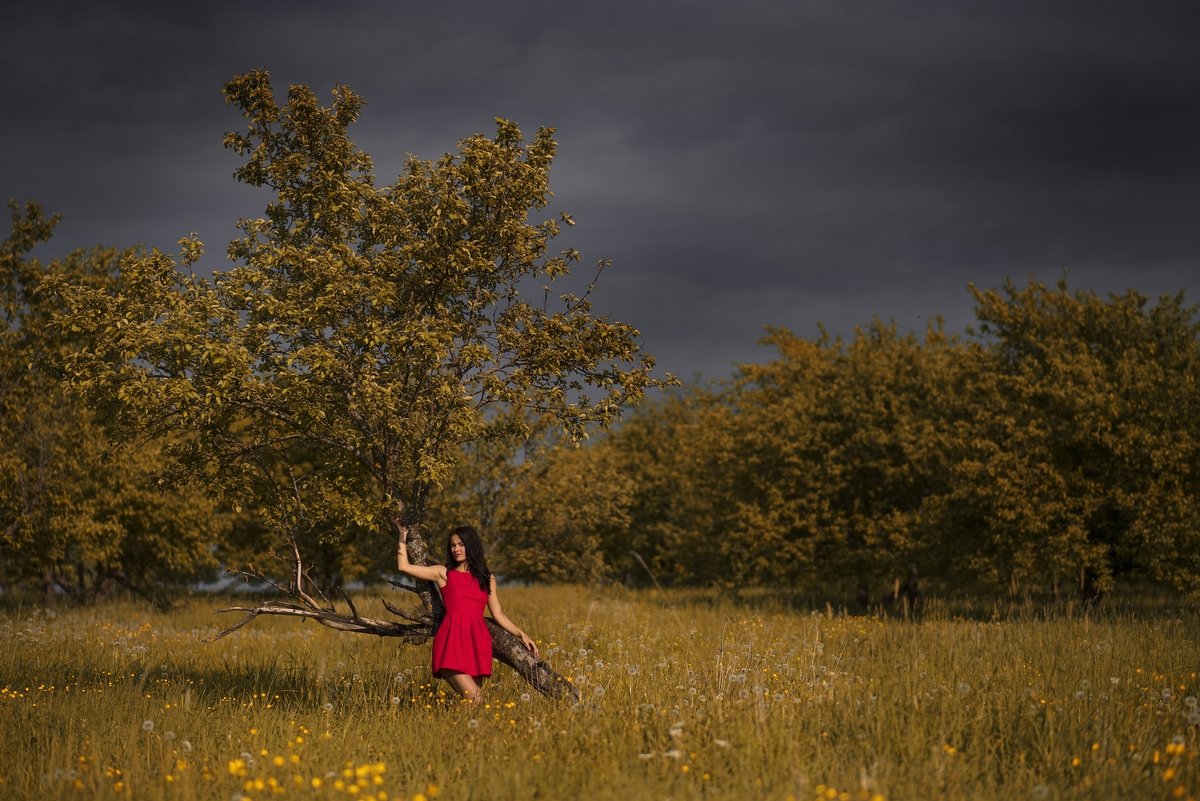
(685,696)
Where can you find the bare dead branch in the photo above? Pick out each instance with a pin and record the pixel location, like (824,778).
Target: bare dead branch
(417,632)
(254,575)
(350,603)
(398,612)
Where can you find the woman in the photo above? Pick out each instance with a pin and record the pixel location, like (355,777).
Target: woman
(462,647)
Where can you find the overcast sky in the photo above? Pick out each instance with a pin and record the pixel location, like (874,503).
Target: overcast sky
(742,163)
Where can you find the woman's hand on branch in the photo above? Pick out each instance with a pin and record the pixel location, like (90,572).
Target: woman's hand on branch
(530,644)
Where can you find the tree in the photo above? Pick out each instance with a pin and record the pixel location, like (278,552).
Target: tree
(72,518)
(1083,460)
(365,334)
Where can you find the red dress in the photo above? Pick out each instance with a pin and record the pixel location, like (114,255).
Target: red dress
(462,642)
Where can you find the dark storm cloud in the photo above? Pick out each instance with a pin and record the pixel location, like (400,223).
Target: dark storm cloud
(742,163)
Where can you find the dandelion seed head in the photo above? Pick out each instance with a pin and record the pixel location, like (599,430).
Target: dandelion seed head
(147,725)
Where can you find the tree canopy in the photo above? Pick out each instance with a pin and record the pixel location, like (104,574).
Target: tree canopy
(365,333)
(75,517)
(1055,447)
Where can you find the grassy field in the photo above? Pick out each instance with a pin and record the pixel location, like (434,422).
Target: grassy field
(685,696)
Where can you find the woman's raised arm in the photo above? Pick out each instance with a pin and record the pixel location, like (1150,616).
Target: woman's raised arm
(434,573)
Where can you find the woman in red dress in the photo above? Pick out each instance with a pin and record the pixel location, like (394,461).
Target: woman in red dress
(462,647)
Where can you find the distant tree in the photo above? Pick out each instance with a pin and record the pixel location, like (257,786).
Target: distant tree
(1054,450)
(850,439)
(563,515)
(681,455)
(74,519)
(1084,458)
(330,379)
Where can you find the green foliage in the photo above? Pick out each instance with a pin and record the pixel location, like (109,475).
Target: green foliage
(1097,447)
(329,380)
(1059,447)
(73,517)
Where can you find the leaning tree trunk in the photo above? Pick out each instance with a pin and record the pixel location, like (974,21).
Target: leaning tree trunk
(417,628)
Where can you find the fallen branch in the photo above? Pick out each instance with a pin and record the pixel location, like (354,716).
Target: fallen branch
(415,632)
(420,627)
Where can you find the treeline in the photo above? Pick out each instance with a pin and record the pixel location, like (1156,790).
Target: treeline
(1054,449)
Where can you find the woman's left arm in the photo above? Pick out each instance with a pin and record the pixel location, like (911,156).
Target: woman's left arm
(498,615)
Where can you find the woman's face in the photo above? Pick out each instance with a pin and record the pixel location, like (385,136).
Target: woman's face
(458,551)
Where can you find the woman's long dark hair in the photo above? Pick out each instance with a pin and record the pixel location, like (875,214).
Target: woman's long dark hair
(476,562)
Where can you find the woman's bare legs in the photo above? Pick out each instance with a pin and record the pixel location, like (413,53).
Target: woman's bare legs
(465,685)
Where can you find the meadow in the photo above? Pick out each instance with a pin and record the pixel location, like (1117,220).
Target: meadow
(687,695)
